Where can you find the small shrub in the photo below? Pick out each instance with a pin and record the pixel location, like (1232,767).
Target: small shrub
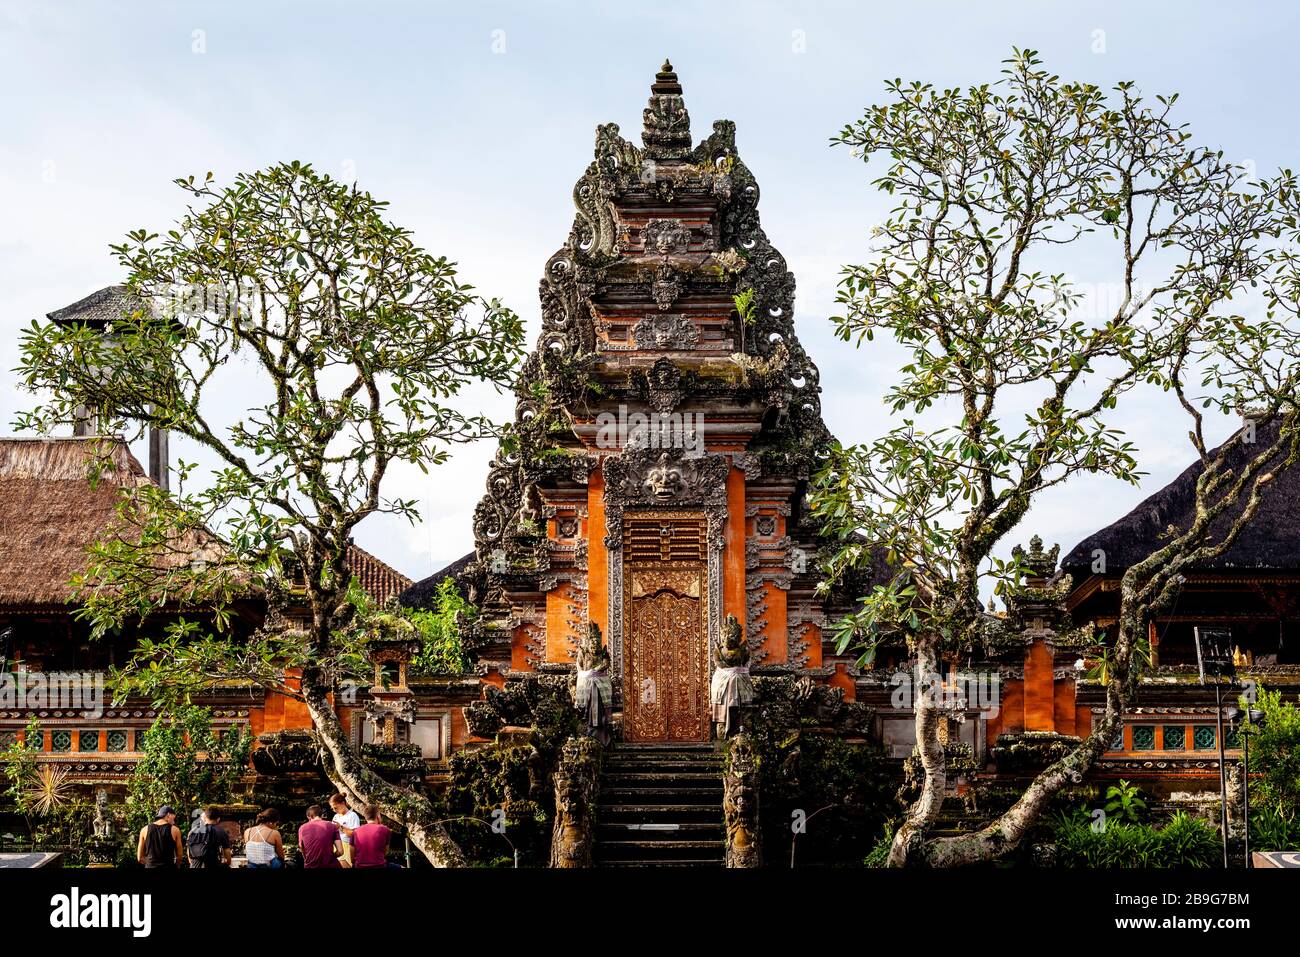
(1183,841)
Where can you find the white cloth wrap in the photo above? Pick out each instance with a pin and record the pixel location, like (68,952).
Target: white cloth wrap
(594,694)
(730,688)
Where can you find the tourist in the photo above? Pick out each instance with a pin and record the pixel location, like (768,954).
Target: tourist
(263,846)
(348,821)
(370,841)
(318,840)
(160,842)
(208,843)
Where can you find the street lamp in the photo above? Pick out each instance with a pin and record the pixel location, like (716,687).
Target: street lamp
(1214,659)
(1250,718)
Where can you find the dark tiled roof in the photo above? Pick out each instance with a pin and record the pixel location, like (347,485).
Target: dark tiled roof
(419,594)
(99,308)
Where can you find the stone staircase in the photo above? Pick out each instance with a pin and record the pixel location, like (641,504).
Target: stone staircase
(955,820)
(660,805)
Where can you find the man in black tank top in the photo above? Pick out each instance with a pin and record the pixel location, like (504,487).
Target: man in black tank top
(160,842)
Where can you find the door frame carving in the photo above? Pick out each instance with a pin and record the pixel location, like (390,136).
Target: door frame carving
(647,482)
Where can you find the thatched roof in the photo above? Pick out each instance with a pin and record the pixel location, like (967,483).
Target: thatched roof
(1270,542)
(421,593)
(50,515)
(379,580)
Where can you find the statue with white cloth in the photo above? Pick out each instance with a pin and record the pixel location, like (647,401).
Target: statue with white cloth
(731,689)
(594,692)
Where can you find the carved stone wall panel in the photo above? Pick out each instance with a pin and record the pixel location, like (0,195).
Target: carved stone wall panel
(665,332)
(528,626)
(566,620)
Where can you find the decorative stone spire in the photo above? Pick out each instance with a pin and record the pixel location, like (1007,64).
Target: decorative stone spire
(1040,566)
(1039,603)
(667,132)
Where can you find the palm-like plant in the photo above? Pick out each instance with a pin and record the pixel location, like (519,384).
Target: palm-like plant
(50,790)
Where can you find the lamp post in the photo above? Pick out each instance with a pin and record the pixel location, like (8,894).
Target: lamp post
(1249,718)
(1214,659)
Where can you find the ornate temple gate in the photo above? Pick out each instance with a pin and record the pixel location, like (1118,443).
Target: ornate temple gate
(666,627)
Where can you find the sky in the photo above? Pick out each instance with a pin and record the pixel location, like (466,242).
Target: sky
(474,120)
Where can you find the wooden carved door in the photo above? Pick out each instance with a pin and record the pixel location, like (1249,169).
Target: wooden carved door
(666,663)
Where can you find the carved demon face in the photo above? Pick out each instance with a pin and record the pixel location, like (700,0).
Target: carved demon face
(662,330)
(664,481)
(568,804)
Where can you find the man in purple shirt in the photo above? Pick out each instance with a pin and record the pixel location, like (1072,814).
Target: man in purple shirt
(318,840)
(370,841)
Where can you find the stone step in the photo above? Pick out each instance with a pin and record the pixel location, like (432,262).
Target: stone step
(655,813)
(641,850)
(707,863)
(662,795)
(660,830)
(660,805)
(708,758)
(634,746)
(664,769)
(687,779)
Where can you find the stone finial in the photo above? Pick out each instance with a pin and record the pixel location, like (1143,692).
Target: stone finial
(667,125)
(1039,565)
(1039,602)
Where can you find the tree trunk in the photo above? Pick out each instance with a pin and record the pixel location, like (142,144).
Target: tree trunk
(1005,834)
(909,840)
(363,786)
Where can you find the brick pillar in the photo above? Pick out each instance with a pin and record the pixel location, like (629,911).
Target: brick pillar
(1040,697)
(1038,611)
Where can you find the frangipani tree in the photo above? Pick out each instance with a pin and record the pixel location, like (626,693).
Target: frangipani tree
(348,346)
(1016,384)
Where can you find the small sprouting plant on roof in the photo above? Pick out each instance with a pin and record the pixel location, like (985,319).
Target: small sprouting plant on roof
(747,306)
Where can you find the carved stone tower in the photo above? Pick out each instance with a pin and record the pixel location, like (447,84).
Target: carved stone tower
(666,427)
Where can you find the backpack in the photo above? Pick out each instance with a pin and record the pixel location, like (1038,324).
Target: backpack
(199,842)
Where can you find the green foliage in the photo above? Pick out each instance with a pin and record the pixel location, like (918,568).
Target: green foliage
(1183,841)
(1274,773)
(509,783)
(879,856)
(441,627)
(185,763)
(1275,753)
(843,790)
(1011,384)
(1013,378)
(1124,803)
(57,815)
(354,347)
(19,764)
(1274,828)
(746,307)
(491,809)
(438,630)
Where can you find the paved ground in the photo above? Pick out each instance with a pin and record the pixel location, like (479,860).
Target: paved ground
(29,860)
